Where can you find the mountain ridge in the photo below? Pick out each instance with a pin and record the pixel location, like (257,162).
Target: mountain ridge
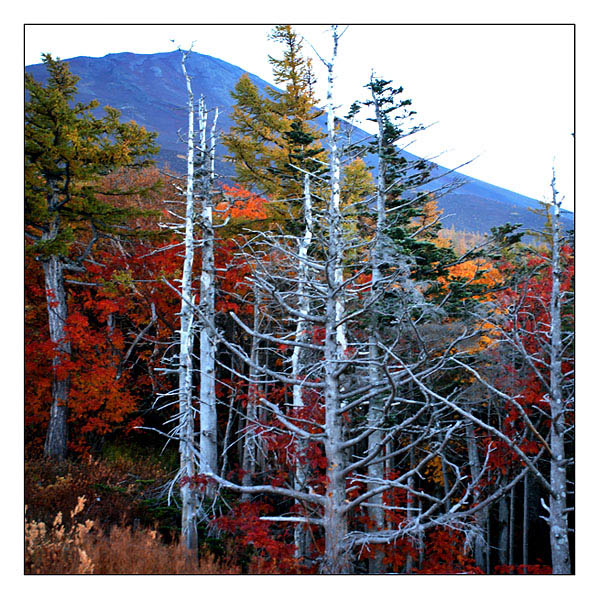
(150,89)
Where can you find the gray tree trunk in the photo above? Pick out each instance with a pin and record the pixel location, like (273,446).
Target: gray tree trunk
(503,531)
(511,528)
(411,508)
(375,412)
(55,445)
(525,544)
(335,523)
(559,541)
(249,461)
(301,534)
(206,306)
(481,549)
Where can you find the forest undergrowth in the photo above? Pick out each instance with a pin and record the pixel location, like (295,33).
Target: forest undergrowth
(110,516)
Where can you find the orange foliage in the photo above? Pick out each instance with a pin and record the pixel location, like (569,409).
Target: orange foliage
(241,205)
(477,272)
(106,313)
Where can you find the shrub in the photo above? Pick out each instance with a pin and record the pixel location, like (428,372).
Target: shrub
(121,491)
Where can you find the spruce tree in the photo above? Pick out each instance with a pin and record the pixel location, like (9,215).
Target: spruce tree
(405,184)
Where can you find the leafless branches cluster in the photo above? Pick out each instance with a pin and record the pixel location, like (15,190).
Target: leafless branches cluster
(402,400)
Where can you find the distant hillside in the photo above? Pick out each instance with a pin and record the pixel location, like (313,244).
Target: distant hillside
(150,89)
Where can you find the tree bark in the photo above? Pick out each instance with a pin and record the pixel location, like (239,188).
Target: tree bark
(335,521)
(249,460)
(189,499)
(559,541)
(55,445)
(511,528)
(206,306)
(301,534)
(411,507)
(335,559)
(503,531)
(525,556)
(375,412)
(481,549)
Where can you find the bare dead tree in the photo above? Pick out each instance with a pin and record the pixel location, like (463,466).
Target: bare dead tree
(533,330)
(379,368)
(195,458)
(358,380)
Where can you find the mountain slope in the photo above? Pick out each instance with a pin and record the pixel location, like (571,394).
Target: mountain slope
(150,89)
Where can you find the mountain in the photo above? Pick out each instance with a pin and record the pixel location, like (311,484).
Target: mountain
(150,89)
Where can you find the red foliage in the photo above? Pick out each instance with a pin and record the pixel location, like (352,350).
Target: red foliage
(106,312)
(445,554)
(538,569)
(532,298)
(272,552)
(198,482)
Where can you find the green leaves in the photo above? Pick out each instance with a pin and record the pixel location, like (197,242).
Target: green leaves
(274,134)
(56,246)
(67,152)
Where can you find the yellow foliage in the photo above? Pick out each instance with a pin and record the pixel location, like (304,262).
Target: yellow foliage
(434,472)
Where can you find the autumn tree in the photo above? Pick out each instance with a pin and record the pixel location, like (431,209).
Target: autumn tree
(67,151)
(117,322)
(275,136)
(534,329)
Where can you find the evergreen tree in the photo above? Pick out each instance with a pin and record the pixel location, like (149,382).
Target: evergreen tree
(404,184)
(273,135)
(67,151)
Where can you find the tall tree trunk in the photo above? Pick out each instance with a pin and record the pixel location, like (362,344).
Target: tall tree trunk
(445,481)
(421,542)
(206,305)
(511,528)
(375,412)
(55,445)
(376,474)
(335,559)
(336,273)
(229,428)
(481,549)
(503,531)
(189,500)
(488,537)
(525,556)
(559,541)
(249,460)
(410,501)
(301,533)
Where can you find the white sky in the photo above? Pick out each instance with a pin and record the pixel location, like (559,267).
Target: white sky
(501,93)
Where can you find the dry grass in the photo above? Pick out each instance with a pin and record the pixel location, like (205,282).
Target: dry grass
(56,549)
(120,524)
(83,548)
